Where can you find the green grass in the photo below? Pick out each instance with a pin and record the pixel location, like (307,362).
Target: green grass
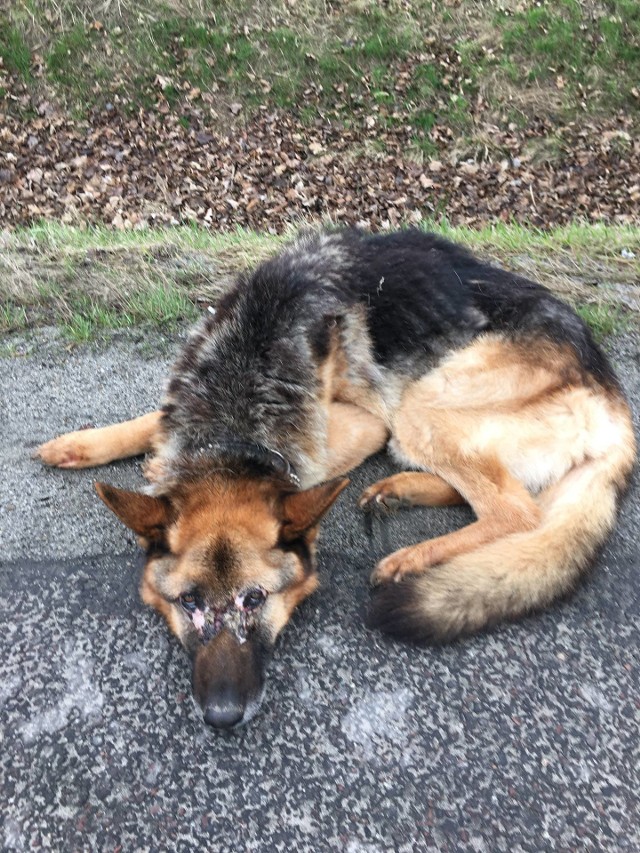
(598,241)
(14,50)
(96,52)
(80,329)
(67,53)
(383,38)
(603,241)
(604,319)
(162,305)
(63,240)
(95,280)
(13,318)
(593,45)
(204,51)
(573,58)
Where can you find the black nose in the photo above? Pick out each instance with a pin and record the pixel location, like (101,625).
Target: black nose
(223,716)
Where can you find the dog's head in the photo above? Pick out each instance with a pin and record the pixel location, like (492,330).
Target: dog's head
(228,560)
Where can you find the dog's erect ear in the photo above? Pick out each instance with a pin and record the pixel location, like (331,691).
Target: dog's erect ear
(143,514)
(303,510)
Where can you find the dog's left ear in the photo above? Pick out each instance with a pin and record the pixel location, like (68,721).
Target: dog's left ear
(143,514)
(303,510)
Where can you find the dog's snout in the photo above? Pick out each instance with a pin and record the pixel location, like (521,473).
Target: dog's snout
(223,715)
(228,680)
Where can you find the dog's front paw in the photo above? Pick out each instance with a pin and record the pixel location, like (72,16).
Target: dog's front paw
(72,450)
(406,561)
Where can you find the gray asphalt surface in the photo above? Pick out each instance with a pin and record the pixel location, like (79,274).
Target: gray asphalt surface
(527,739)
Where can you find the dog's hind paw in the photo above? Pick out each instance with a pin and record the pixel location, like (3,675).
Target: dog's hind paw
(381,497)
(407,561)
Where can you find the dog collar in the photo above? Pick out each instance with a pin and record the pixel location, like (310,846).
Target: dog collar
(260,454)
(291,474)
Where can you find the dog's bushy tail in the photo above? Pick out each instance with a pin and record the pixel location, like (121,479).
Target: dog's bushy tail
(517,574)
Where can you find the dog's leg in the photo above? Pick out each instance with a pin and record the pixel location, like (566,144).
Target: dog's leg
(353,434)
(410,488)
(502,504)
(87,448)
(468,422)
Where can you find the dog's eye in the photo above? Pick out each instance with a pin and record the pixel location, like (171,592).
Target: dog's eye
(188,601)
(253,599)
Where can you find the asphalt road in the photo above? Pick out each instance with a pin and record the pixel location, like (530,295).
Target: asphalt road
(527,739)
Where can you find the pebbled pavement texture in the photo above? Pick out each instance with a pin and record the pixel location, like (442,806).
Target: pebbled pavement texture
(527,739)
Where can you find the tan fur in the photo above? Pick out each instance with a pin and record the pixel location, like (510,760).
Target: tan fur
(243,511)
(353,434)
(412,488)
(540,457)
(539,450)
(525,571)
(289,600)
(152,598)
(239,513)
(89,448)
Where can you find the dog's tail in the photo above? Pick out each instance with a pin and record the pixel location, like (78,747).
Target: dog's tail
(517,574)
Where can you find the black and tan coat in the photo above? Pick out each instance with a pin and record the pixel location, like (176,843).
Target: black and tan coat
(486,388)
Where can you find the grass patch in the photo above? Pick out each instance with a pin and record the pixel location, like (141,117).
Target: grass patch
(80,329)
(580,45)
(13,318)
(382,37)
(586,53)
(87,319)
(14,50)
(96,279)
(205,52)
(146,54)
(161,305)
(67,53)
(604,319)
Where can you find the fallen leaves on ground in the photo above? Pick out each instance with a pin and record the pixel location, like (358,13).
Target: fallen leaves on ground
(149,169)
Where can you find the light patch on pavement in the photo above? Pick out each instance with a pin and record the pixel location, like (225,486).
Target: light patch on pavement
(330,646)
(357,846)
(305,693)
(136,660)
(8,688)
(378,720)
(80,693)
(13,837)
(302,819)
(596,698)
(153,773)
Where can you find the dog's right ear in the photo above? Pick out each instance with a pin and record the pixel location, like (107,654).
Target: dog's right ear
(145,515)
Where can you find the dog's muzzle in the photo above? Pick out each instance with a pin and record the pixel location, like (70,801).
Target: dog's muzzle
(228,679)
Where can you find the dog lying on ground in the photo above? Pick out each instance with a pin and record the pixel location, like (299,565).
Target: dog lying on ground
(485,386)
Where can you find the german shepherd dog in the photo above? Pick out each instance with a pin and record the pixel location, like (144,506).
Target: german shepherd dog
(485,386)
